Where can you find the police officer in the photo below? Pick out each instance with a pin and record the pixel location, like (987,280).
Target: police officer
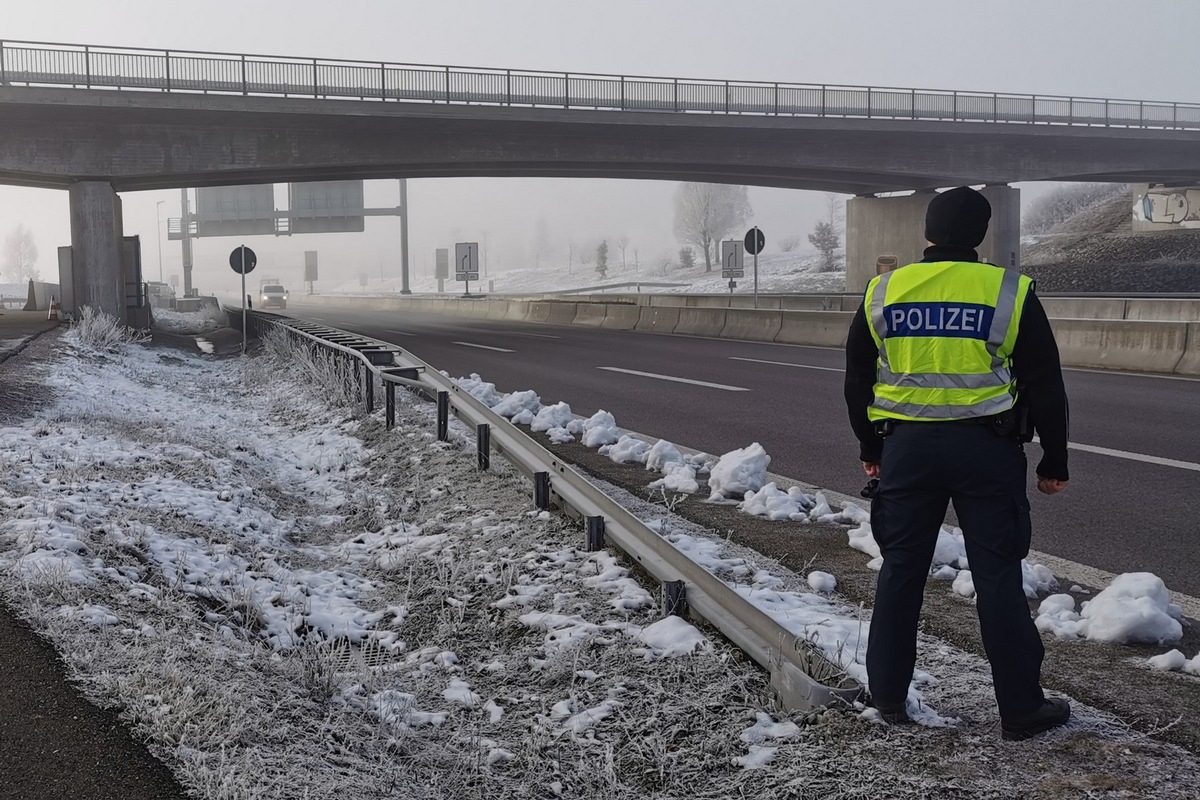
(950,366)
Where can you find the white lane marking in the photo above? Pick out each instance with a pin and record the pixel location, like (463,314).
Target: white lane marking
(676,380)
(1125,374)
(786,364)
(538,335)
(485,347)
(400,333)
(1106,451)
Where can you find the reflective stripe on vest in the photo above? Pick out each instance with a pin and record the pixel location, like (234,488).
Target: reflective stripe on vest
(923,325)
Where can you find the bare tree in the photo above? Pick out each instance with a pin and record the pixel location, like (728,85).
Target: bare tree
(622,244)
(706,212)
(789,243)
(602,258)
(541,242)
(21,255)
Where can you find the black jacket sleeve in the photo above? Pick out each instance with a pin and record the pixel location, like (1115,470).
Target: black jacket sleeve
(1039,379)
(861,358)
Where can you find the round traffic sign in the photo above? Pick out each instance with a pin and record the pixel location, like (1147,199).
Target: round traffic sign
(755,241)
(243,256)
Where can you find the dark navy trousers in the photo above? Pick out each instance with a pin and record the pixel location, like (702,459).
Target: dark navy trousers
(925,466)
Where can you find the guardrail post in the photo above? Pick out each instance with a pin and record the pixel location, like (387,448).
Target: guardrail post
(726,97)
(389,402)
(1141,113)
(369,397)
(954,106)
(447,86)
(868,102)
(443,416)
(566,90)
(483,444)
(382,81)
(357,378)
(315,82)
(3,70)
(822,99)
(676,101)
(674,599)
(622,92)
(912,104)
(595,534)
(244,76)
(541,490)
(1175,115)
(508,86)
(167,54)
(87,65)
(1106,122)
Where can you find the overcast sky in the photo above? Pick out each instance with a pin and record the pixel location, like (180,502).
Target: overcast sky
(1099,48)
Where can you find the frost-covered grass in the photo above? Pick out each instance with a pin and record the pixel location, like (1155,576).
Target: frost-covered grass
(95,332)
(289,601)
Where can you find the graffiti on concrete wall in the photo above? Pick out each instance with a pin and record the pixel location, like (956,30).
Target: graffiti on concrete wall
(1177,207)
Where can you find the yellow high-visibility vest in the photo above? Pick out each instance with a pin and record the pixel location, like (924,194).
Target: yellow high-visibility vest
(945,333)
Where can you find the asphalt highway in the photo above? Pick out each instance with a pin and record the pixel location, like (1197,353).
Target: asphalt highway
(1134,499)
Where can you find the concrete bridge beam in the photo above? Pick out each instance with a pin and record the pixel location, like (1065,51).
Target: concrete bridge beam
(895,226)
(96,229)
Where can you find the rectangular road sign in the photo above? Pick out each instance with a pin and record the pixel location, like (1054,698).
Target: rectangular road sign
(733,254)
(466,261)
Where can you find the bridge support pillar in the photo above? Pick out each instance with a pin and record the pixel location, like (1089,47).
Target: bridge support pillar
(895,226)
(96,229)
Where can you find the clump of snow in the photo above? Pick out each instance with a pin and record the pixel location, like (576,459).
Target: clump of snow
(480,389)
(1175,661)
(1135,607)
(550,417)
(672,637)
(662,454)
(739,471)
(559,435)
(626,449)
(773,503)
(599,429)
(677,477)
(514,403)
(822,582)
(190,322)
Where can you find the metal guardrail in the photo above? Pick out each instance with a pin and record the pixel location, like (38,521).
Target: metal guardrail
(140,69)
(688,587)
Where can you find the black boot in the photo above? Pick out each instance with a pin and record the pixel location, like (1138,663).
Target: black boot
(1052,713)
(893,713)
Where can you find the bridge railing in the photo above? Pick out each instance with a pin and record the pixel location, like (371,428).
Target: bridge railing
(86,66)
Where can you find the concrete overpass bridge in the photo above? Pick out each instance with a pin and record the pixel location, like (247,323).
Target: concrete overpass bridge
(98,120)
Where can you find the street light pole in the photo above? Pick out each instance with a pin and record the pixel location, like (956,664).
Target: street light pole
(158,236)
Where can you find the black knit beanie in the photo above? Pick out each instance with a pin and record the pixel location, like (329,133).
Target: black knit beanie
(958,218)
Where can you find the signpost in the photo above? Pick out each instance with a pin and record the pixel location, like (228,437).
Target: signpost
(310,268)
(754,242)
(733,257)
(441,267)
(466,263)
(243,260)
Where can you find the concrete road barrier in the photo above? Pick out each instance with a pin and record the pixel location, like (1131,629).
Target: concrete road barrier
(754,326)
(813,303)
(747,301)
(517,311)
(591,314)
(817,328)
(701,322)
(620,316)
(497,309)
(1084,307)
(657,319)
(1190,363)
(538,312)
(562,313)
(1121,344)
(1168,309)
